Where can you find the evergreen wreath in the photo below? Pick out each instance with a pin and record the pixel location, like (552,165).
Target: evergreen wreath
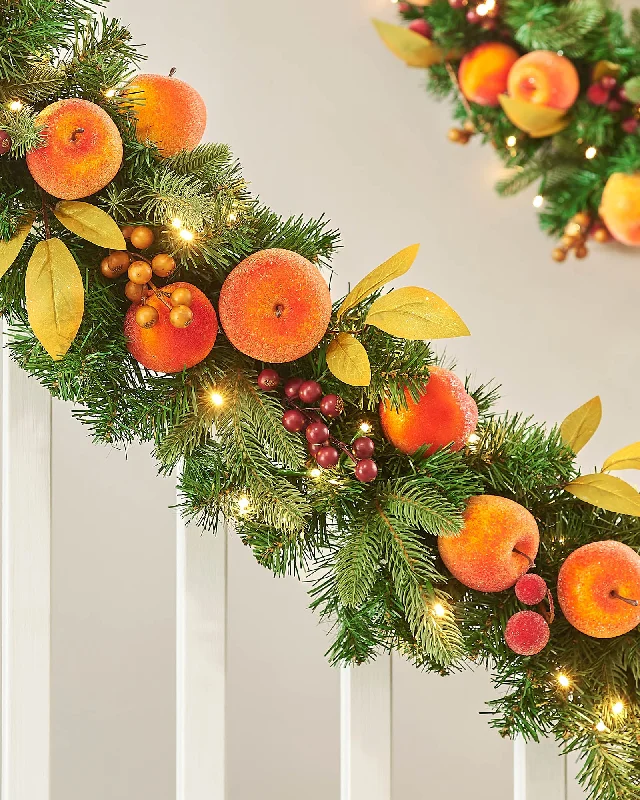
(340,447)
(554,86)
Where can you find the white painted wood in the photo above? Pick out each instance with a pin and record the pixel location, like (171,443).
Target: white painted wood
(201,654)
(366,731)
(540,773)
(26,585)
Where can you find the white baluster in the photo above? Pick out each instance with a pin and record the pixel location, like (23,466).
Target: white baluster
(540,773)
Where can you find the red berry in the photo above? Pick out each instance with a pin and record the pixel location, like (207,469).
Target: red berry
(457,3)
(531,589)
(293,420)
(527,633)
(292,386)
(614,105)
(622,95)
(327,457)
(314,449)
(422,27)
(489,25)
(608,82)
(473,18)
(630,125)
(403,7)
(363,447)
(5,142)
(268,379)
(317,432)
(332,405)
(309,392)
(366,470)
(597,95)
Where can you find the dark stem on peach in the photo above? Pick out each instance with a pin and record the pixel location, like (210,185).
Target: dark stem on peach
(160,295)
(627,600)
(74,135)
(279,309)
(172,71)
(524,555)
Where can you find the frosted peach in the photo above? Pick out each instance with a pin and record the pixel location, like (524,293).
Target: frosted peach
(598,585)
(82,149)
(620,207)
(168,112)
(499,540)
(544,78)
(275,306)
(483,72)
(444,415)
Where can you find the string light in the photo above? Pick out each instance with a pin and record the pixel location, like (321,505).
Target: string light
(176,222)
(538,200)
(243,505)
(617,707)
(511,141)
(315,472)
(365,427)
(109,93)
(439,610)
(482,9)
(601,727)
(186,234)
(232,217)
(564,681)
(590,152)
(216,399)
(15,105)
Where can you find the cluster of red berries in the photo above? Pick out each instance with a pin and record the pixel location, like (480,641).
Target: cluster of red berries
(527,632)
(607,92)
(308,419)
(485,13)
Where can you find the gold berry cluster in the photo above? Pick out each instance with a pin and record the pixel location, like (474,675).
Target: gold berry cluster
(575,236)
(463,134)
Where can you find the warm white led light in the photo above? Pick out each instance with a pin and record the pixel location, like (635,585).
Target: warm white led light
(511,141)
(538,200)
(243,504)
(187,235)
(176,222)
(216,399)
(618,707)
(15,105)
(564,681)
(590,152)
(315,472)
(601,727)
(439,610)
(110,93)
(365,427)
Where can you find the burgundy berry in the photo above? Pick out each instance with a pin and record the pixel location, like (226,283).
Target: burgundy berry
(422,27)
(403,7)
(489,25)
(457,3)
(268,379)
(597,95)
(327,457)
(309,392)
(293,420)
(314,449)
(622,95)
(332,405)
(630,125)
(614,105)
(473,18)
(366,470)
(363,447)
(292,386)
(608,82)
(317,432)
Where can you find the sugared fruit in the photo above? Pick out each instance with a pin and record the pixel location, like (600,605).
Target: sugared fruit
(181,316)
(163,265)
(164,348)
(181,297)
(140,273)
(310,392)
(268,379)
(142,237)
(444,415)
(168,112)
(527,633)
(134,291)
(531,589)
(327,457)
(599,589)
(317,432)
(620,207)
(545,78)
(366,470)
(82,149)
(146,316)
(484,70)
(293,420)
(363,447)
(275,306)
(497,545)
(332,405)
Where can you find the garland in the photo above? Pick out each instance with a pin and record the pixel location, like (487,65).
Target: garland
(332,436)
(554,86)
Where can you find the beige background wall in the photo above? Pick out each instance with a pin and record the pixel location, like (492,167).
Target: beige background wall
(324,120)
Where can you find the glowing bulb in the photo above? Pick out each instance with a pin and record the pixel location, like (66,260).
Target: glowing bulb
(511,141)
(601,727)
(365,427)
(186,235)
(564,681)
(618,707)
(490,4)
(243,504)
(334,482)
(538,200)
(590,152)
(110,93)
(315,472)
(439,610)
(216,399)
(15,105)
(472,441)
(482,10)
(232,217)
(176,222)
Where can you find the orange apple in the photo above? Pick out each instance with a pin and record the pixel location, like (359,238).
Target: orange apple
(483,72)
(599,589)
(544,78)
(620,207)
(497,545)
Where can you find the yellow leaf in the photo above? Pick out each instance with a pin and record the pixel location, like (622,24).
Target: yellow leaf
(9,250)
(581,424)
(604,68)
(55,296)
(411,47)
(394,267)
(348,360)
(534,119)
(606,491)
(415,313)
(627,458)
(90,223)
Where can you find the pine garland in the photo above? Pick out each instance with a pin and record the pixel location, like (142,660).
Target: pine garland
(367,550)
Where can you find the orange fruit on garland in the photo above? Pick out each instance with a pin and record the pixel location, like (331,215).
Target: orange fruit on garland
(620,207)
(82,150)
(164,348)
(444,415)
(485,555)
(483,72)
(168,112)
(275,306)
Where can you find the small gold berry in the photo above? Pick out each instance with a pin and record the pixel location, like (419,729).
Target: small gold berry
(127,231)
(559,254)
(134,291)
(581,251)
(181,297)
(146,316)
(163,265)
(142,237)
(140,272)
(181,316)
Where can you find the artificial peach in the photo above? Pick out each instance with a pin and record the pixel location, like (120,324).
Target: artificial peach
(544,78)
(163,347)
(620,207)
(168,111)
(599,589)
(444,415)
(275,306)
(497,545)
(82,150)
(483,72)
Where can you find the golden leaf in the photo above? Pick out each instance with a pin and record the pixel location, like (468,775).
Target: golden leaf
(415,313)
(348,360)
(604,68)
(411,47)
(55,296)
(392,268)
(606,491)
(9,250)
(581,424)
(534,119)
(90,223)
(626,458)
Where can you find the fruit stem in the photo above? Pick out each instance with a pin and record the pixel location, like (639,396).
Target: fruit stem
(160,295)
(340,445)
(524,555)
(172,71)
(74,135)
(139,257)
(45,216)
(627,600)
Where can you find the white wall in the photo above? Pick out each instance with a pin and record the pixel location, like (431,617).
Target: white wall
(324,120)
